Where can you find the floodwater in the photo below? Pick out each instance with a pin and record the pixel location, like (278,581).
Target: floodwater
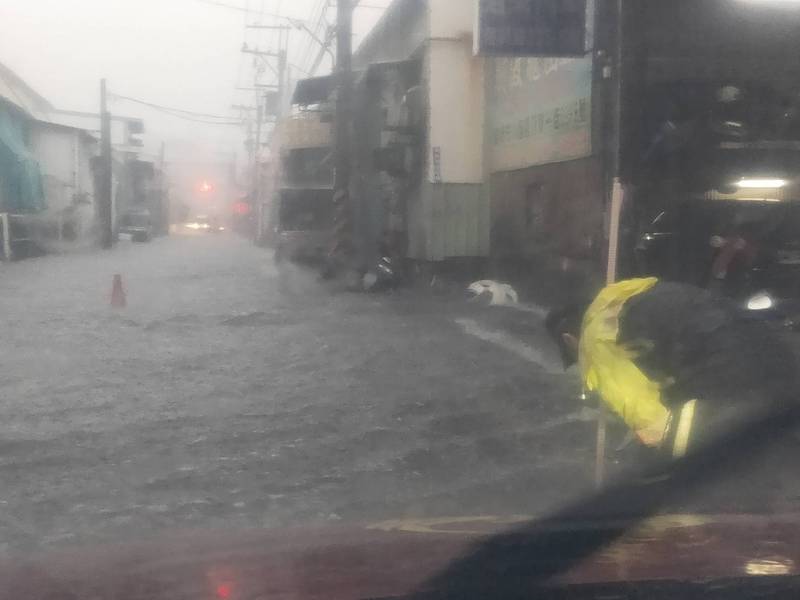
(230,395)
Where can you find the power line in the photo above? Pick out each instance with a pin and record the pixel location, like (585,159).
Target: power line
(243,9)
(167,108)
(179,113)
(204,122)
(305,51)
(317,28)
(299,68)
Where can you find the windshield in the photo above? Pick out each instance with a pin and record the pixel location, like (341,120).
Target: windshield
(413,271)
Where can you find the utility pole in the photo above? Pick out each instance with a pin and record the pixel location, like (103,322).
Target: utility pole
(164,217)
(105,205)
(264,55)
(343,250)
(257,164)
(269,107)
(283,62)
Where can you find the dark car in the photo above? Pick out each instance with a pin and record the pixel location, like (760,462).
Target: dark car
(304,230)
(748,250)
(137,223)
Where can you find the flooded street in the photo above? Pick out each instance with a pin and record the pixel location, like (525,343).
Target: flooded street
(229,395)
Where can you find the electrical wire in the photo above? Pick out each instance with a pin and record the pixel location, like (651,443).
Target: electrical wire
(179,113)
(165,108)
(205,122)
(242,9)
(300,69)
(319,10)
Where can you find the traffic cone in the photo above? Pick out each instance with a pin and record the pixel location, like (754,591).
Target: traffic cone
(118,299)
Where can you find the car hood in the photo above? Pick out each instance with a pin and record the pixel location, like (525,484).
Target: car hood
(392,559)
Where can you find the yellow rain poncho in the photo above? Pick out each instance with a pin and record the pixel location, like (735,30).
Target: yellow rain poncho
(608,368)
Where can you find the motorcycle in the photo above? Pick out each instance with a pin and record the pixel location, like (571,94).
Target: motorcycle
(382,277)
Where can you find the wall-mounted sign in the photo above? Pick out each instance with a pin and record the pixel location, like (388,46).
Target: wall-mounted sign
(540,111)
(532,27)
(437,164)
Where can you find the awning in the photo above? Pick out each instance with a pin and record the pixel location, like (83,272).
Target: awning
(315,90)
(21,189)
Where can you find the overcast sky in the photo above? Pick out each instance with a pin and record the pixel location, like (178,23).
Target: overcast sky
(178,53)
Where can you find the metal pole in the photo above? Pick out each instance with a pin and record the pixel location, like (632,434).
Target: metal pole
(615,216)
(5,223)
(282,65)
(257,147)
(343,243)
(344,89)
(106,186)
(163,192)
(257,163)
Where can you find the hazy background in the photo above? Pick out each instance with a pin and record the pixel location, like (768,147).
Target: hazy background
(182,54)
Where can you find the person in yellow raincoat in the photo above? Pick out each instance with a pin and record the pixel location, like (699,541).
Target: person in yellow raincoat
(673,360)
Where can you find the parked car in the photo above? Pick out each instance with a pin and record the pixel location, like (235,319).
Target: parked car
(305,225)
(749,251)
(137,223)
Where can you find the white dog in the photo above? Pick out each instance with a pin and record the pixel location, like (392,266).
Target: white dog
(501,294)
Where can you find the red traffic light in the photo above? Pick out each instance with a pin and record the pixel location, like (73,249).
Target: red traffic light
(242,208)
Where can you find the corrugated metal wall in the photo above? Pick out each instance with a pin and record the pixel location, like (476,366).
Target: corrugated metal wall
(449,220)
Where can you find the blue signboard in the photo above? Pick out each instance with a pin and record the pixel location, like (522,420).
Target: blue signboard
(532,27)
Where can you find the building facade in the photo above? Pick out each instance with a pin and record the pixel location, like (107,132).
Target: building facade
(21,189)
(462,156)
(508,164)
(444,200)
(65,157)
(300,186)
(544,170)
(48,175)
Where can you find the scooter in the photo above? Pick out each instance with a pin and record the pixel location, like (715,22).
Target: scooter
(383,276)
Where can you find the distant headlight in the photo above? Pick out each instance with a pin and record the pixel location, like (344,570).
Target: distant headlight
(768,184)
(193,225)
(761,301)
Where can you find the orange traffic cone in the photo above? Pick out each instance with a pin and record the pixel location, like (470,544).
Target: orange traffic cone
(118,298)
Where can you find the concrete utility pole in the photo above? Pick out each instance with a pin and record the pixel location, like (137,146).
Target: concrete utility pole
(105,205)
(260,110)
(163,225)
(256,162)
(344,249)
(283,62)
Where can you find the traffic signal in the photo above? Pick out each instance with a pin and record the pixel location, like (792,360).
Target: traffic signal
(206,187)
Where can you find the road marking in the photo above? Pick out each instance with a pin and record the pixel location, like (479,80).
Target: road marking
(510,344)
(478,525)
